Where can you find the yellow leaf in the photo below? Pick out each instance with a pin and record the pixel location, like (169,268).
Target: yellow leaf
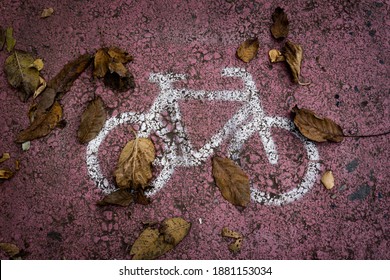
(6,174)
(328,180)
(4,157)
(275,56)
(47,12)
(9,39)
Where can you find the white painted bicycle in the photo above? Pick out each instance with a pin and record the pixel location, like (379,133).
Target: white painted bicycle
(249,119)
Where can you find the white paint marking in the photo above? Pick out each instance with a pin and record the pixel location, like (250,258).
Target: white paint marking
(235,128)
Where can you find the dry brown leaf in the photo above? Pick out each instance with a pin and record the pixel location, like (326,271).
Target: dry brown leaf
(141,198)
(63,81)
(226,232)
(235,246)
(316,128)
(119,55)
(118,83)
(275,56)
(47,12)
(294,55)
(17,165)
(6,174)
(147,246)
(174,230)
(5,157)
(45,100)
(121,197)
(92,121)
(134,169)
(101,61)
(153,243)
(232,181)
(119,68)
(280,27)
(248,49)
(20,75)
(328,180)
(10,249)
(42,125)
(10,41)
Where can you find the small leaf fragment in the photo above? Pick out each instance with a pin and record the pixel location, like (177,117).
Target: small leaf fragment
(38,64)
(235,246)
(42,125)
(17,165)
(294,55)
(121,197)
(328,180)
(20,75)
(5,157)
(280,27)
(47,12)
(134,169)
(275,56)
(26,145)
(232,181)
(9,39)
(316,128)
(10,249)
(248,49)
(6,174)
(92,120)
(226,232)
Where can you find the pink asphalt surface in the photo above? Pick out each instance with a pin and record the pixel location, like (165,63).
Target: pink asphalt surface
(49,207)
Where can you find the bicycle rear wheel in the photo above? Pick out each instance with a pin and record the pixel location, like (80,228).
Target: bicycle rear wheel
(293,193)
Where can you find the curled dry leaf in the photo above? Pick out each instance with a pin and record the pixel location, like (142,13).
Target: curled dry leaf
(153,242)
(121,197)
(47,12)
(328,180)
(294,55)
(10,42)
(280,27)
(248,49)
(10,249)
(41,87)
(92,120)
(134,169)
(232,181)
(63,81)
(109,63)
(37,64)
(118,83)
(275,56)
(6,174)
(20,74)
(316,128)
(42,125)
(4,157)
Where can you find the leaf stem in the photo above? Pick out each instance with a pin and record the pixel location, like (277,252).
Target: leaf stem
(368,135)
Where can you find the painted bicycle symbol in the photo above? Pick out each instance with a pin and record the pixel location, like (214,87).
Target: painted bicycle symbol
(249,119)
